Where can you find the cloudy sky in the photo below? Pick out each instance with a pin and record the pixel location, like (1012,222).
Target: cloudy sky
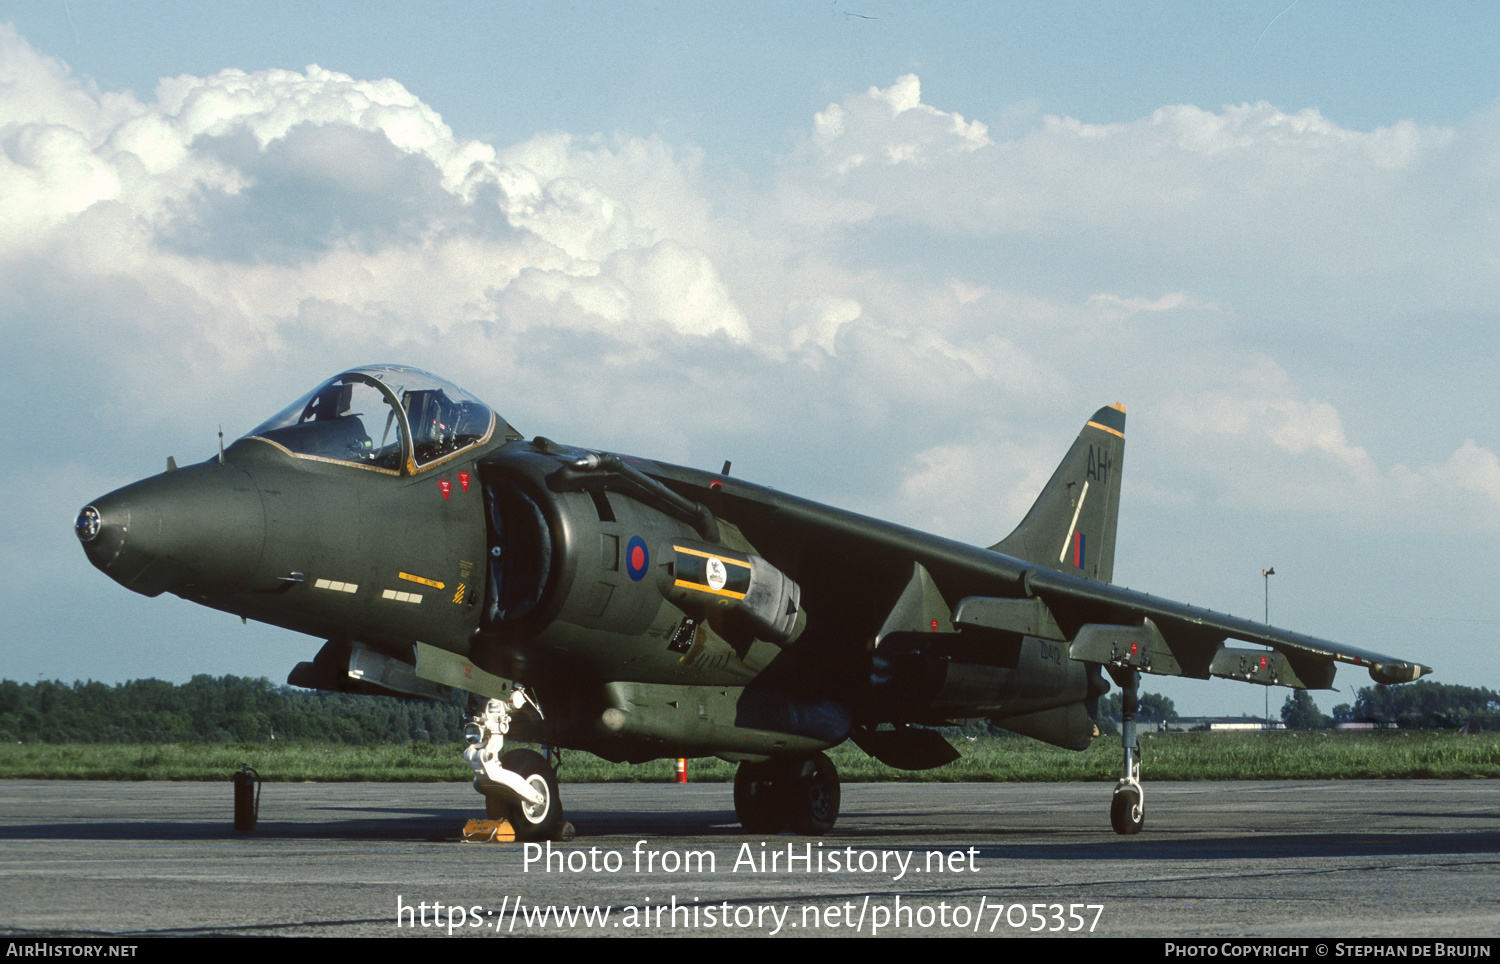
(889,257)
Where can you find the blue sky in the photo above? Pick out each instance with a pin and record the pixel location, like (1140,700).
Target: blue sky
(925,242)
(505,71)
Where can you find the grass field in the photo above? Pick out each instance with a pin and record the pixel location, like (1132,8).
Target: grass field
(1182,756)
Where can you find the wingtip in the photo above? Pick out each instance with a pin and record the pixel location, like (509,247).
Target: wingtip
(1392,674)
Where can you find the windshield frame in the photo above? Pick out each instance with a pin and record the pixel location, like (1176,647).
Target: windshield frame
(296,414)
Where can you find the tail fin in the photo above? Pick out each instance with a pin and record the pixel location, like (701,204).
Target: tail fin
(1071,526)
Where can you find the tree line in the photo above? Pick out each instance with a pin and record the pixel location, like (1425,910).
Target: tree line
(224,709)
(1422,705)
(233,709)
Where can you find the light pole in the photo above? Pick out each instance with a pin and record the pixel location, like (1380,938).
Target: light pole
(1267,574)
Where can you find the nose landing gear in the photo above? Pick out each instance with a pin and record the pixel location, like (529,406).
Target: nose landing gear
(521,786)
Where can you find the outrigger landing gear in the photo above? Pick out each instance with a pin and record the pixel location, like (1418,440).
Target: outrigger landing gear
(801,793)
(1127,811)
(521,786)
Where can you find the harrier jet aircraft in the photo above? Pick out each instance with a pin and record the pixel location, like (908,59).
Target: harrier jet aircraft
(640,610)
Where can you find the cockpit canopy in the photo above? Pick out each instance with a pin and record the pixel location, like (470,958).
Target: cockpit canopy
(385,417)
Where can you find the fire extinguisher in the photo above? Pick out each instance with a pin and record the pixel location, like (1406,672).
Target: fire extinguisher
(246,797)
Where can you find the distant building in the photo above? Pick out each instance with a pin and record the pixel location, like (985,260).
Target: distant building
(1225,724)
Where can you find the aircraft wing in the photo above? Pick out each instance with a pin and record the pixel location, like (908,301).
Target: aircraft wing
(1175,639)
(853,569)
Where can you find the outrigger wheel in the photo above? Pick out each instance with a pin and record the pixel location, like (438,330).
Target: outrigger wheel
(1126,814)
(801,793)
(1127,810)
(531,821)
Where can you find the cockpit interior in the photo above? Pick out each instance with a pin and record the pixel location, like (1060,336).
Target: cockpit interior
(386,417)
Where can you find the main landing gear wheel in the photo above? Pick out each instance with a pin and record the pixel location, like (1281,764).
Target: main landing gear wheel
(755,799)
(801,794)
(531,821)
(1126,812)
(812,795)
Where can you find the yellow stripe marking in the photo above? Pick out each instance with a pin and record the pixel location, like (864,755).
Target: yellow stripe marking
(426,582)
(1106,428)
(684,584)
(711,555)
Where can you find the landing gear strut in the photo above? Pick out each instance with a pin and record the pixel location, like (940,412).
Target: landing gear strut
(521,786)
(801,793)
(1127,811)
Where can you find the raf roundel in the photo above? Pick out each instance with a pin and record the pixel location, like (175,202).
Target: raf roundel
(636,558)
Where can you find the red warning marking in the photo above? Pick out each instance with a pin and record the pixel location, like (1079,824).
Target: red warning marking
(1133,647)
(1262,662)
(463,480)
(716,484)
(934,625)
(447,487)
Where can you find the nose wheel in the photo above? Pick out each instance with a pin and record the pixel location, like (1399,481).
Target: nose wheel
(538,819)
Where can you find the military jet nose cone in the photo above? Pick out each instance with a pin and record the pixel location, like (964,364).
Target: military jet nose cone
(179,529)
(102,531)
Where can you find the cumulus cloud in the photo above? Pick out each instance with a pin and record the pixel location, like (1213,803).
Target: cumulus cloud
(263,195)
(873,319)
(1471,476)
(1248,199)
(975,491)
(816,321)
(1248,436)
(892,127)
(911,316)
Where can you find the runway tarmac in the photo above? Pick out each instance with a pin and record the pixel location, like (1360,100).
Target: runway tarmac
(1319,859)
